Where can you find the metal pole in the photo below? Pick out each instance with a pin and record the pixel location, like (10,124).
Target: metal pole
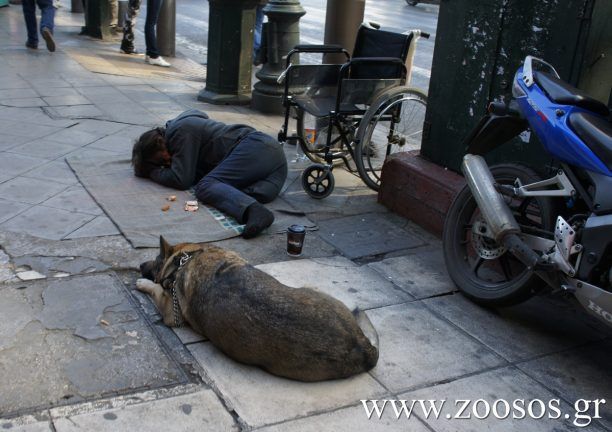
(283,33)
(342,20)
(76,6)
(121,11)
(166,29)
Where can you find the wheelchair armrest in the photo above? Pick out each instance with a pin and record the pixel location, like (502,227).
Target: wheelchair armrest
(323,49)
(331,48)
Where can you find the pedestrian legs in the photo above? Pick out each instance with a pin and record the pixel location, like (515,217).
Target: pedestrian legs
(29,15)
(127,44)
(47,14)
(153,9)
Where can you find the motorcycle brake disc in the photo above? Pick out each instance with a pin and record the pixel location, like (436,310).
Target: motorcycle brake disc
(485,246)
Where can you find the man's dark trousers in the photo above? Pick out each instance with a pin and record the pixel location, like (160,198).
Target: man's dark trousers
(255,170)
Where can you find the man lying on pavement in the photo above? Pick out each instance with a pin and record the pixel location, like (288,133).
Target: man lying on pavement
(234,167)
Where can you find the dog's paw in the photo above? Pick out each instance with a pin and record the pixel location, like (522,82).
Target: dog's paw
(145,285)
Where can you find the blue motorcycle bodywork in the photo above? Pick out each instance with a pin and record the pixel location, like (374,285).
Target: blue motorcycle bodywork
(549,121)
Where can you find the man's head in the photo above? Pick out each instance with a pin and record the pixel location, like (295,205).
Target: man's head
(149,152)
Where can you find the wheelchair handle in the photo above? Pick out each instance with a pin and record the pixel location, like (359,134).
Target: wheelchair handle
(425,35)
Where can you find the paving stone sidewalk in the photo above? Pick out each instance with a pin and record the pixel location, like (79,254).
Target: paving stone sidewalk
(80,349)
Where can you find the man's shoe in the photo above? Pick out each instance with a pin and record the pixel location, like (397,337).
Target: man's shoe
(48,37)
(31,45)
(157,61)
(258,218)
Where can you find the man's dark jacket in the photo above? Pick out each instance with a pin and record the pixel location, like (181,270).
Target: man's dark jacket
(197,144)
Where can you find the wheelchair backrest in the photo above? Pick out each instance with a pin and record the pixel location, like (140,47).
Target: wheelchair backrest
(372,42)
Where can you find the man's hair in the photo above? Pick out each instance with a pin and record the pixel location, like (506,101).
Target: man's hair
(145,148)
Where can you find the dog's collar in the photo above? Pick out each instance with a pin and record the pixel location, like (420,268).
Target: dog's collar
(178,262)
(169,283)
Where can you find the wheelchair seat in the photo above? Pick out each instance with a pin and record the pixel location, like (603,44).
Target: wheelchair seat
(322,106)
(563,93)
(596,133)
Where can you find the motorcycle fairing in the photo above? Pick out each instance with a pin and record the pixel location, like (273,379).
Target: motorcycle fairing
(492,131)
(595,300)
(596,239)
(602,198)
(549,120)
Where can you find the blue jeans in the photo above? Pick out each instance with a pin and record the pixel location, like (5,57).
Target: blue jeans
(259,17)
(153,8)
(254,171)
(47,15)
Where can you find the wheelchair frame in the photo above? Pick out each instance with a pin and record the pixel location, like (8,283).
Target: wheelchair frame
(348,125)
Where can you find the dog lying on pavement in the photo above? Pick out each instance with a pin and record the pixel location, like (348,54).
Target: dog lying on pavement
(300,334)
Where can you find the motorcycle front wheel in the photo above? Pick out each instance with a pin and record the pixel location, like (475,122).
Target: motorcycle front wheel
(481,268)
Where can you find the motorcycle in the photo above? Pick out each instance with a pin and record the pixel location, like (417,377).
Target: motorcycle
(509,230)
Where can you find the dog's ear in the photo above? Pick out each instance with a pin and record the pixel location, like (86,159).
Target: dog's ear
(165,250)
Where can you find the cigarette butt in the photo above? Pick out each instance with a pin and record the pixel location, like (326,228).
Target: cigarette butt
(103,321)
(165,208)
(171,198)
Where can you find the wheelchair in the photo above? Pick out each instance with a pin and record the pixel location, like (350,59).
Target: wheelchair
(356,113)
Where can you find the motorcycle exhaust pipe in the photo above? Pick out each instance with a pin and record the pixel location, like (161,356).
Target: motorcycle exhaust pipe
(494,210)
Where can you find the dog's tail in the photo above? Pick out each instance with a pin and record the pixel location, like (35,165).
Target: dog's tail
(366,326)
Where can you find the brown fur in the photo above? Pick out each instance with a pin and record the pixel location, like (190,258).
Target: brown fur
(295,333)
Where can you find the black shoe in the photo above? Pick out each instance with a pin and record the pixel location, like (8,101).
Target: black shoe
(31,45)
(258,218)
(48,37)
(129,51)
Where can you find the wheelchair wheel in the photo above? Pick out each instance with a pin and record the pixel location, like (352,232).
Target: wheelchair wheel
(313,131)
(393,123)
(318,181)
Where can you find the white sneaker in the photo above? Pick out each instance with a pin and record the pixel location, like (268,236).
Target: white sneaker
(158,61)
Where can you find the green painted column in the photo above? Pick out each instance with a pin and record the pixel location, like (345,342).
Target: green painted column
(597,60)
(479,46)
(97,19)
(283,33)
(230,47)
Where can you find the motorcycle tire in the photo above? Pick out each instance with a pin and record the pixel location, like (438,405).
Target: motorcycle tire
(478,277)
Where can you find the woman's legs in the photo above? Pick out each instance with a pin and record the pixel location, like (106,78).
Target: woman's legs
(153,9)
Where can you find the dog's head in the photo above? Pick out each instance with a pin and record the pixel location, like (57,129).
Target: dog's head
(152,269)
(168,260)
